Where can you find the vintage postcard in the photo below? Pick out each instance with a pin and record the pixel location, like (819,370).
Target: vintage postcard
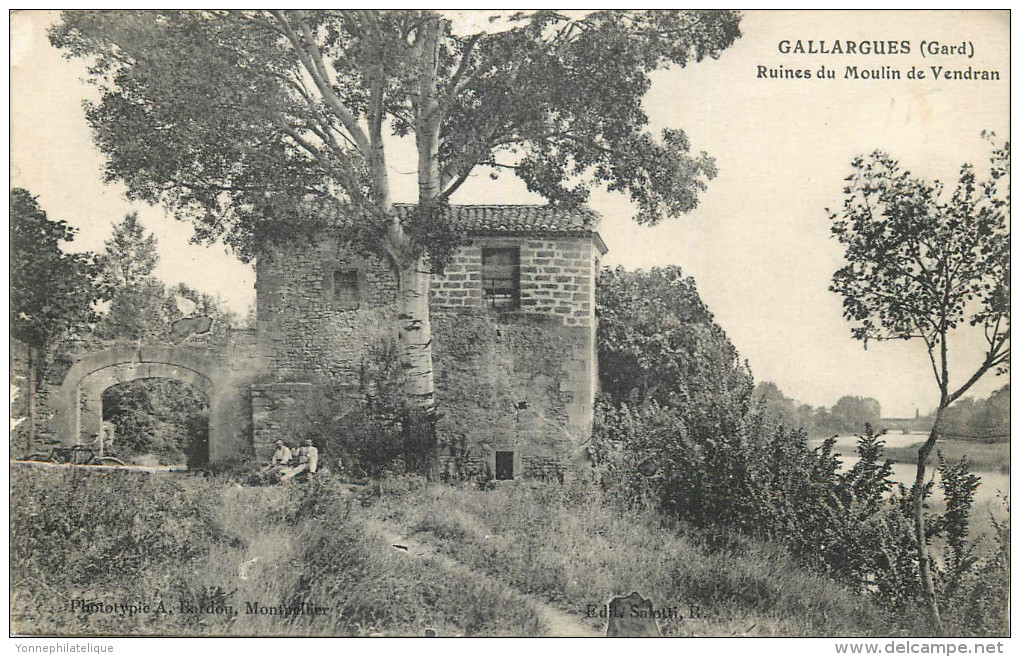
(581,323)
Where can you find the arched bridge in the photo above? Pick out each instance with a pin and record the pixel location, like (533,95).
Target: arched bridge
(906,424)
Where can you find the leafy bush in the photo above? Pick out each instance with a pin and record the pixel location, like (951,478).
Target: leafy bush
(158,416)
(972,584)
(679,426)
(359,429)
(848,524)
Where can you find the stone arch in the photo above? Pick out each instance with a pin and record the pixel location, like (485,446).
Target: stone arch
(203,368)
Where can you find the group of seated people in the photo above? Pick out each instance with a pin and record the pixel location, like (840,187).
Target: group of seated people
(287,466)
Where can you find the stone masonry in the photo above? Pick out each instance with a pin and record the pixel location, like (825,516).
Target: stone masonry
(70,403)
(515,385)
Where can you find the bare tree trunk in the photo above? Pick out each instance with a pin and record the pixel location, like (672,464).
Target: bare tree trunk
(420,440)
(927,584)
(415,340)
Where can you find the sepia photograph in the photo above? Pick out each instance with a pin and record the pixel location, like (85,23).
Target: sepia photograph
(508,323)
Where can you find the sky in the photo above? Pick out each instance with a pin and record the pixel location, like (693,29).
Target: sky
(758,245)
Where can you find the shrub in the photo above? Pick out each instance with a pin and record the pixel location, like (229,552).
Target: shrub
(971,584)
(359,429)
(679,426)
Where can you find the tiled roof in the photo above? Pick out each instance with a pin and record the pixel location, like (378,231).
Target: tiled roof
(516,218)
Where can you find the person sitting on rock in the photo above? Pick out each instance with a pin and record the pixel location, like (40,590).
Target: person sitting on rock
(308,461)
(282,455)
(277,465)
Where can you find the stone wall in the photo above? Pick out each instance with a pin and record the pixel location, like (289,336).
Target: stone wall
(69,406)
(278,412)
(508,383)
(557,276)
(557,292)
(305,330)
(521,381)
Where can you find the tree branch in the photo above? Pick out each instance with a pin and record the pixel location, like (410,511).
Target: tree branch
(457,182)
(991,361)
(455,88)
(931,354)
(311,59)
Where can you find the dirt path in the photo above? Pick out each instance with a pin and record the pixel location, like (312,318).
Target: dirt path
(147,469)
(557,622)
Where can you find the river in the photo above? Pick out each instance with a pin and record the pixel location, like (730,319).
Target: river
(993,484)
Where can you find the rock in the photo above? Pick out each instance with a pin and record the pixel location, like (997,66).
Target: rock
(631,616)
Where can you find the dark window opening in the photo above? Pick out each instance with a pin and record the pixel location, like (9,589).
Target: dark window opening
(501,277)
(345,289)
(504,465)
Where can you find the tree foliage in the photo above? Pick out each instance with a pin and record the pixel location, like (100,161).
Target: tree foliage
(846,417)
(675,396)
(657,339)
(142,307)
(158,417)
(130,254)
(235,118)
(53,293)
(983,420)
(921,265)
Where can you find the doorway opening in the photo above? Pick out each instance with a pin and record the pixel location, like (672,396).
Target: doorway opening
(156,421)
(504,465)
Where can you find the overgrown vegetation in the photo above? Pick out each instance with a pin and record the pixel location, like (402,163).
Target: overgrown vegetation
(705,451)
(579,544)
(358,430)
(52,295)
(163,418)
(921,264)
(197,544)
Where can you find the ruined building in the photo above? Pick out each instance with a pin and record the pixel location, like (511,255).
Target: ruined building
(514,351)
(513,319)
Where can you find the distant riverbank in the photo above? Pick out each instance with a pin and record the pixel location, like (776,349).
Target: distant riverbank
(990,462)
(902,448)
(981,456)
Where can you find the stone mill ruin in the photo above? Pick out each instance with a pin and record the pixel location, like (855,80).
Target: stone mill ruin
(513,320)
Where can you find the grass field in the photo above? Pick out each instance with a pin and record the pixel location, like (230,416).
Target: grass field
(206,548)
(982,456)
(567,544)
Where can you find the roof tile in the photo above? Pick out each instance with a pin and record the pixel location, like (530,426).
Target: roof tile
(515,218)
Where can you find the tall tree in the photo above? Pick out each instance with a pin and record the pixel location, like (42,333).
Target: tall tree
(243,120)
(922,266)
(852,412)
(657,340)
(53,293)
(130,254)
(139,301)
